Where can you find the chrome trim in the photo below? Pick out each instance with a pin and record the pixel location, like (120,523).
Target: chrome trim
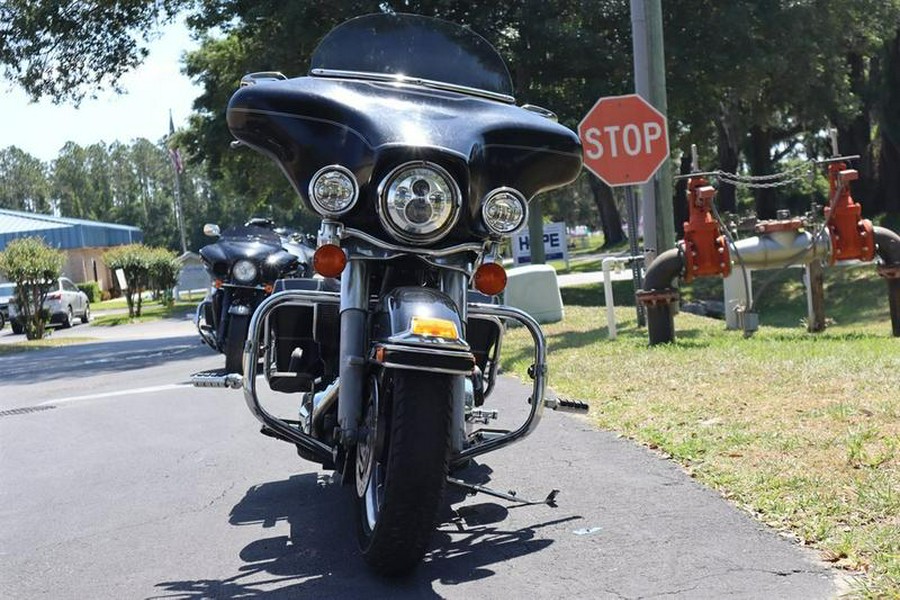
(312,183)
(205,330)
(251,360)
(461,353)
(539,384)
(540,110)
(513,192)
(349,232)
(254,78)
(429,83)
(239,309)
(405,367)
(393,228)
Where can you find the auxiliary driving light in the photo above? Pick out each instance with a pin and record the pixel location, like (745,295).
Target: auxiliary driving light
(504,211)
(333,190)
(329,260)
(490,279)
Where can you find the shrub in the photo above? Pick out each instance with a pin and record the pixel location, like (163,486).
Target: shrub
(34,267)
(134,260)
(164,270)
(92,289)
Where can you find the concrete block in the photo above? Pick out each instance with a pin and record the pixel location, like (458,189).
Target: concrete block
(534,289)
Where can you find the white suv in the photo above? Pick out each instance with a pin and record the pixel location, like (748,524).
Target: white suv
(64,303)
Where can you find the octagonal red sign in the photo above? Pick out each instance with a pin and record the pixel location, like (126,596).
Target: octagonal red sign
(624,140)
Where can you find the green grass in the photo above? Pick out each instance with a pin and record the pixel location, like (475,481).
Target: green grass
(801,430)
(48,342)
(150,311)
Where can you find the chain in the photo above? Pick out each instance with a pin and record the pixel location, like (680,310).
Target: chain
(792,175)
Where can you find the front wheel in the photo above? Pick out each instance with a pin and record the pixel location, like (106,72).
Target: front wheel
(234,343)
(86,317)
(401,467)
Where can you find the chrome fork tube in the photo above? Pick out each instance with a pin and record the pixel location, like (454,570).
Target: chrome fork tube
(455,285)
(352,362)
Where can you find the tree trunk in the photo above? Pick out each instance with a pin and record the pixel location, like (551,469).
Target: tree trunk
(889,132)
(679,200)
(728,154)
(854,137)
(760,159)
(610,220)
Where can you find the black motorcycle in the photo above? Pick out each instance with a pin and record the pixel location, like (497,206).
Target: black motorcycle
(405,138)
(243,264)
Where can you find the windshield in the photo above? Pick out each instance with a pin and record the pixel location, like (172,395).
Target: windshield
(251,233)
(413,46)
(7,289)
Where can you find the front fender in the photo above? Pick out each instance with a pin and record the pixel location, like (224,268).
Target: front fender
(396,344)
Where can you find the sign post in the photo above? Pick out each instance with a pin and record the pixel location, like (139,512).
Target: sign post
(625,140)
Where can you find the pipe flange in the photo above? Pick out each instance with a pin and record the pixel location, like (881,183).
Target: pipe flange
(889,272)
(657,297)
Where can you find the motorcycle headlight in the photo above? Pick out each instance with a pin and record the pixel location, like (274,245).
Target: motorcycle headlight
(333,190)
(244,271)
(504,211)
(419,202)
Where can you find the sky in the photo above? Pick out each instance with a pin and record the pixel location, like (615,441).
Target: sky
(151,90)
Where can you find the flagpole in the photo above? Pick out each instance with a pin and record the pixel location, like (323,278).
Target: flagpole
(179,215)
(176,166)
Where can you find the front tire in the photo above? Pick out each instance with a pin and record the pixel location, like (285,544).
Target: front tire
(401,467)
(234,343)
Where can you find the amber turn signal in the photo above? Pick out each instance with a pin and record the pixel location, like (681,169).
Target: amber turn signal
(431,327)
(329,260)
(490,279)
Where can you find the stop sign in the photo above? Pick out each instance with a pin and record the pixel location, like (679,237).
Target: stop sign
(624,140)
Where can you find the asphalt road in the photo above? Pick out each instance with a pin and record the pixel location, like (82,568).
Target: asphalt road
(135,485)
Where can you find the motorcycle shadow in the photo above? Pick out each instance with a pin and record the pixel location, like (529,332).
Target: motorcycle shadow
(319,556)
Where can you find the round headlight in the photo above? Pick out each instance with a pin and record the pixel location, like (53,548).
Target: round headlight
(504,211)
(419,202)
(333,190)
(244,271)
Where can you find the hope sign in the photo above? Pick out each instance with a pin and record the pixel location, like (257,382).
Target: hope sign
(632,139)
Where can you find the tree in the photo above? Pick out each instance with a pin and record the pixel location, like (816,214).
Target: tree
(34,267)
(68,50)
(135,261)
(23,181)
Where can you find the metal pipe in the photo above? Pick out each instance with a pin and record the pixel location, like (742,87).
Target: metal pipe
(888,249)
(662,273)
(608,294)
(783,248)
(660,278)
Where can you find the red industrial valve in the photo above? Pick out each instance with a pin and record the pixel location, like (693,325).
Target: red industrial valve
(852,237)
(705,248)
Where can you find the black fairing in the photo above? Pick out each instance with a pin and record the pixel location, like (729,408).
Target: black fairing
(258,244)
(307,123)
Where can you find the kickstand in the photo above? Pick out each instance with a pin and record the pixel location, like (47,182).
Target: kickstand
(511,496)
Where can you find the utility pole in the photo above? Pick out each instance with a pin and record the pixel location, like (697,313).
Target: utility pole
(536,232)
(650,83)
